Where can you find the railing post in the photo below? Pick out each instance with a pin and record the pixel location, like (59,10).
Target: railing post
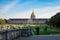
(6,35)
(19,32)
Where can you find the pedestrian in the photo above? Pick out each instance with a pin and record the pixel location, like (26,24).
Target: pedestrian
(37,30)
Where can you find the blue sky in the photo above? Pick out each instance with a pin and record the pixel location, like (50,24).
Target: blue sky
(23,8)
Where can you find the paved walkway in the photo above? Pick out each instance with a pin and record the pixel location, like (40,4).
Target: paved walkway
(41,37)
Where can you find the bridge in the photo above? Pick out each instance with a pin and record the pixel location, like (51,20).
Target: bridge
(25,34)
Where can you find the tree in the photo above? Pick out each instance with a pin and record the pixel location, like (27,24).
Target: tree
(55,20)
(2,21)
(5,20)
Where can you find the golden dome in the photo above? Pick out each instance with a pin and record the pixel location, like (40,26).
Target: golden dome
(33,15)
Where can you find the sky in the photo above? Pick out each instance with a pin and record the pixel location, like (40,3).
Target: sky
(24,8)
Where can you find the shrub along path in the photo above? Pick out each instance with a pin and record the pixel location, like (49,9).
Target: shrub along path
(41,37)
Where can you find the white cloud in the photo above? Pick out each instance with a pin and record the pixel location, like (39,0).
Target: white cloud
(22,14)
(7,7)
(46,12)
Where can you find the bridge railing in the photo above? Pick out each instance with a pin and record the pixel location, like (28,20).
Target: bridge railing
(14,33)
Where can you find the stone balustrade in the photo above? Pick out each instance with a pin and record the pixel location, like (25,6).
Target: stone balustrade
(14,33)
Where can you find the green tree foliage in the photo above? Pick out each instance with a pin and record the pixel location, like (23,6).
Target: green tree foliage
(5,20)
(2,21)
(55,20)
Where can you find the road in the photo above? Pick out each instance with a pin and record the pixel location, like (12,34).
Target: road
(40,37)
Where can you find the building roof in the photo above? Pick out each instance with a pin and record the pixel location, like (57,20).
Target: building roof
(27,19)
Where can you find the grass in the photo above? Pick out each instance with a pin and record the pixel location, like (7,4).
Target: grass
(51,30)
(48,32)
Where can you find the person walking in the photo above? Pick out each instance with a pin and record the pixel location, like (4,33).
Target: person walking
(37,30)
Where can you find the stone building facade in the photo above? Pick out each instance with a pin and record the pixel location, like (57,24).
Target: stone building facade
(32,20)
